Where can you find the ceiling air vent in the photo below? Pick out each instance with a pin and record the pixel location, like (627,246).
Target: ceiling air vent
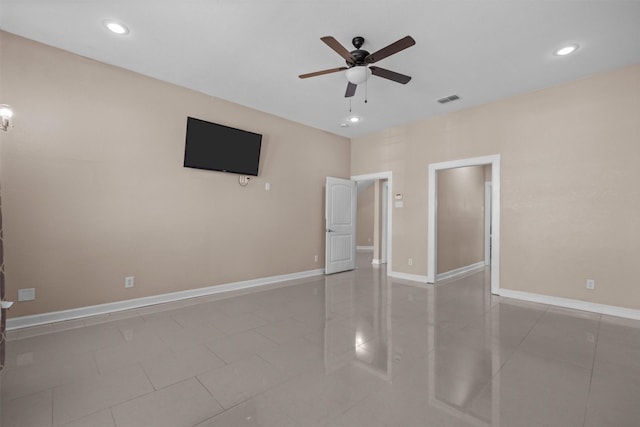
(448,99)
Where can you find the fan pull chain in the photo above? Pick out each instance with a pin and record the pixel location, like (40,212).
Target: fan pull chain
(366,85)
(350,104)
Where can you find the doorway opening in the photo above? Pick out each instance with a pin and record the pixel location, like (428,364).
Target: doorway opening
(382,185)
(494,239)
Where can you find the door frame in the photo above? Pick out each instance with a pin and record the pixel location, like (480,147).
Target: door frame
(487,223)
(494,161)
(385,214)
(389,222)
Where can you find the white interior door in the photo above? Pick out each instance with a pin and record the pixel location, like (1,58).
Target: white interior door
(340,222)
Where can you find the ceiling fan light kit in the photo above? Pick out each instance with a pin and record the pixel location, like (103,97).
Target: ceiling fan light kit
(358,70)
(358,74)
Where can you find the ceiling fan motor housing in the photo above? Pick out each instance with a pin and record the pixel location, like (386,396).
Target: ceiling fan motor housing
(358,55)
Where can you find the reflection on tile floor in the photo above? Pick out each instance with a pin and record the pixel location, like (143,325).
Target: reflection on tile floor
(348,350)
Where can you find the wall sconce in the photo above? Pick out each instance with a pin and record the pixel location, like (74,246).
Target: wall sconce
(5,116)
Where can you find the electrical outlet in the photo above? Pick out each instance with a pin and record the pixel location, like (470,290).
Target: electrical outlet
(410,261)
(128,282)
(316,258)
(28,294)
(591,284)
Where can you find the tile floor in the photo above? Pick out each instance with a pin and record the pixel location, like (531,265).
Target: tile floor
(349,350)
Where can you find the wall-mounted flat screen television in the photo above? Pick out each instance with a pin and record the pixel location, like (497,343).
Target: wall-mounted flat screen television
(217,147)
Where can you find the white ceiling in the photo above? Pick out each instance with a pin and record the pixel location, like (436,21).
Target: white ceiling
(252,51)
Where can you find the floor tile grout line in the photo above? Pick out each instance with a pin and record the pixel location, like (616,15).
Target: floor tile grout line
(517,347)
(238,403)
(51,408)
(210,350)
(89,415)
(593,364)
(544,312)
(554,358)
(149,379)
(125,401)
(113,417)
(70,381)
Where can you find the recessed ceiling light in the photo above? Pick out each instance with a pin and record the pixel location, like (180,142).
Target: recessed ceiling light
(566,50)
(116,27)
(344,125)
(354,119)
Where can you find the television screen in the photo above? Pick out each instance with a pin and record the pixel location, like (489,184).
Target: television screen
(216,147)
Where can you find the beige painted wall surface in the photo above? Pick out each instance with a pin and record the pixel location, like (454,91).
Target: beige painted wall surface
(364,221)
(569,174)
(460,216)
(94,189)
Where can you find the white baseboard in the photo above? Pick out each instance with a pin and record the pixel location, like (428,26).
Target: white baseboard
(77,313)
(460,271)
(364,248)
(112,307)
(407,276)
(376,261)
(610,310)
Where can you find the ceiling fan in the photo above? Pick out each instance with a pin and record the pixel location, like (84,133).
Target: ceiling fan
(358,60)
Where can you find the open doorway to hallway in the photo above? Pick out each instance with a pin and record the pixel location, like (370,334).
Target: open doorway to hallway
(439,170)
(371,227)
(374,223)
(461,213)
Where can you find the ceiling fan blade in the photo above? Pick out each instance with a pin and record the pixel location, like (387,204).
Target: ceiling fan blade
(351,90)
(319,73)
(395,47)
(391,75)
(340,50)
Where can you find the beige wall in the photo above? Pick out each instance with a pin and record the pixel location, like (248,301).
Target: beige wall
(94,189)
(460,216)
(569,178)
(364,221)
